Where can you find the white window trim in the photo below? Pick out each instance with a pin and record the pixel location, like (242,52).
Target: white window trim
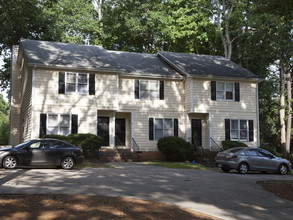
(149,92)
(229,100)
(76,84)
(238,130)
(59,117)
(154,127)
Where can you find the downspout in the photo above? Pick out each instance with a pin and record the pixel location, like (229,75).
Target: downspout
(33,100)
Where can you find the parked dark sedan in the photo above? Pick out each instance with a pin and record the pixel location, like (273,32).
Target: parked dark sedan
(41,152)
(244,159)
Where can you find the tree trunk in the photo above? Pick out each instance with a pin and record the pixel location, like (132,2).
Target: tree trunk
(289,120)
(98,6)
(223,12)
(282,109)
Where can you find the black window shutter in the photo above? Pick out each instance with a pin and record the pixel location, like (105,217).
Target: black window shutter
(227,129)
(237,92)
(74,124)
(92,88)
(136,90)
(43,125)
(213,90)
(61,82)
(151,129)
(161,90)
(250,124)
(175,127)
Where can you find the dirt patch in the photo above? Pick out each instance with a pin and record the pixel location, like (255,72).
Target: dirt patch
(281,188)
(45,207)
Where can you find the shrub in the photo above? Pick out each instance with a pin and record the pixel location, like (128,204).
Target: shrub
(230,144)
(175,148)
(89,143)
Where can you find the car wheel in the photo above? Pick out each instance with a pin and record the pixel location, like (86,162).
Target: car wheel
(67,163)
(226,170)
(10,162)
(283,169)
(243,168)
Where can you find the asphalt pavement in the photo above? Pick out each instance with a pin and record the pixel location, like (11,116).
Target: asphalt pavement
(224,195)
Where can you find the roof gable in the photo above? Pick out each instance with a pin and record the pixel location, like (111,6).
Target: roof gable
(206,66)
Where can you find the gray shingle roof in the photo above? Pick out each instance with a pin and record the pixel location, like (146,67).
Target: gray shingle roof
(207,66)
(74,56)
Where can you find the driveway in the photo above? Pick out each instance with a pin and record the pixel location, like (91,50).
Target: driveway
(225,195)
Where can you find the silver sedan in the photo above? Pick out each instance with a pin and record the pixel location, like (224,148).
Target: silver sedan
(244,159)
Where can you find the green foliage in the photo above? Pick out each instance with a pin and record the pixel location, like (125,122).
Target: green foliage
(89,143)
(230,144)
(175,148)
(4,121)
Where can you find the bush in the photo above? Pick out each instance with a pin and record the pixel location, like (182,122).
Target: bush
(89,143)
(230,144)
(175,148)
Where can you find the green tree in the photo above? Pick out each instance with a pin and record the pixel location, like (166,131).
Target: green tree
(189,27)
(132,25)
(4,121)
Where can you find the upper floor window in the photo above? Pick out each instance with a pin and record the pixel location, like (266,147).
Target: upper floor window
(80,83)
(149,89)
(227,91)
(76,83)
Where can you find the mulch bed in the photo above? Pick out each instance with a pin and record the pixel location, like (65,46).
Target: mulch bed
(45,207)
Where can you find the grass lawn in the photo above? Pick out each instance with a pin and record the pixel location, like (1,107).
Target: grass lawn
(178,165)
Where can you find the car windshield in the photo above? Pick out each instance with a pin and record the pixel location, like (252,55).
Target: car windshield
(22,144)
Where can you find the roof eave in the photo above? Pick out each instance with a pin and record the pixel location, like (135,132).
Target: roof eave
(45,66)
(254,79)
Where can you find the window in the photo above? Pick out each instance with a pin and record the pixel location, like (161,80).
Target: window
(77,83)
(163,128)
(239,130)
(225,91)
(149,89)
(58,124)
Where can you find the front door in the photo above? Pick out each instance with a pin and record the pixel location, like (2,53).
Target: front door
(196,129)
(120,131)
(103,130)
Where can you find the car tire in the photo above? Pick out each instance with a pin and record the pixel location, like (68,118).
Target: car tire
(67,163)
(10,162)
(243,168)
(226,170)
(283,169)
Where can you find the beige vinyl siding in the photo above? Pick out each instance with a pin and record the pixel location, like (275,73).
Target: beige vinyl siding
(47,100)
(141,127)
(221,110)
(15,99)
(46,88)
(173,97)
(26,105)
(171,107)
(187,94)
